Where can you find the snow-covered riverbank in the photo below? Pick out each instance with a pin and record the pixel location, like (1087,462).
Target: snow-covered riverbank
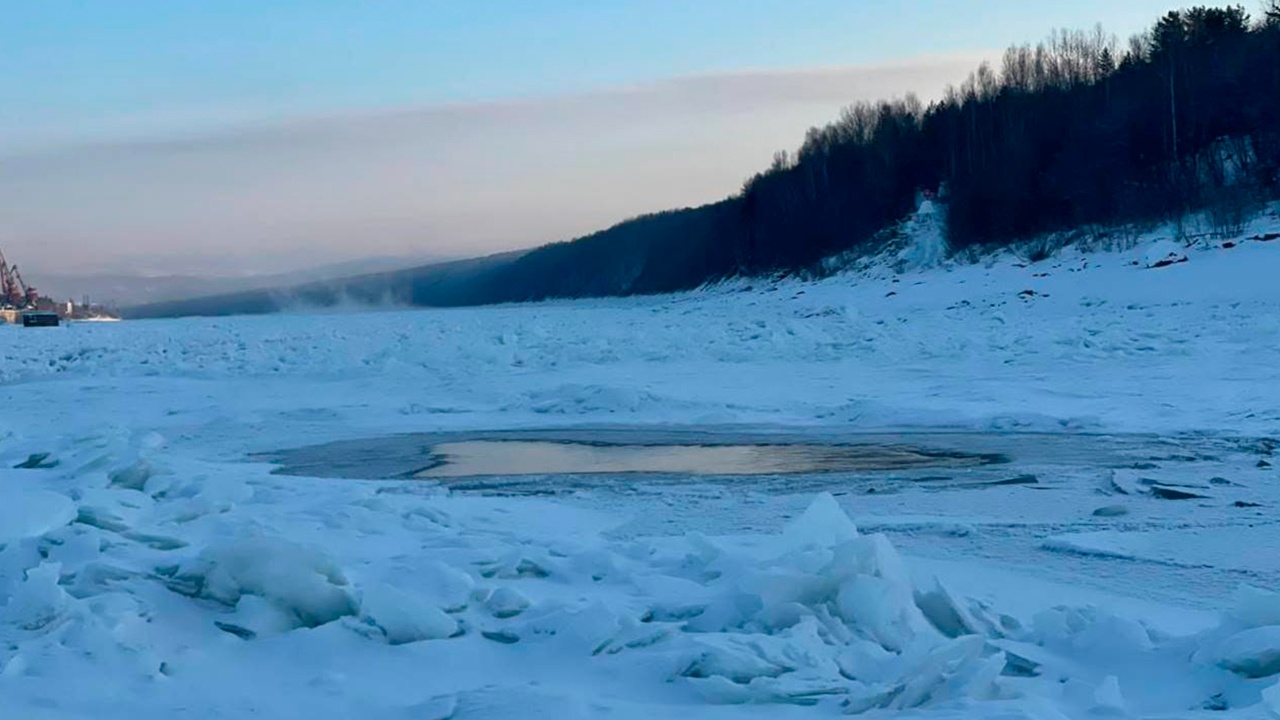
(150,570)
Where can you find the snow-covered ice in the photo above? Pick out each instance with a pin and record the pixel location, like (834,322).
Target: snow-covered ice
(149,568)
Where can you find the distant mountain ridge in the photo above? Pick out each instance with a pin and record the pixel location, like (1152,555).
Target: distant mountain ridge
(126,289)
(456,282)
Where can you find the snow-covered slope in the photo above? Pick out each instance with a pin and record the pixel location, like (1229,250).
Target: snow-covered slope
(149,570)
(1080,341)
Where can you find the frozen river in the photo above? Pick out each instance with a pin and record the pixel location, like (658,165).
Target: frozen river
(810,499)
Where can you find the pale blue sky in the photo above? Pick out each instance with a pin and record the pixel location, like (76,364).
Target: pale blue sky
(245,135)
(84,67)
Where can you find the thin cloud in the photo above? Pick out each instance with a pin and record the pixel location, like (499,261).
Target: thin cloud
(445,179)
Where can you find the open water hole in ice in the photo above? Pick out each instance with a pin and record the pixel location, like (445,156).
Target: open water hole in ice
(480,458)
(568,459)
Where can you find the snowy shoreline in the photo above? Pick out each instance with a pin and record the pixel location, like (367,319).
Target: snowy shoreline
(149,569)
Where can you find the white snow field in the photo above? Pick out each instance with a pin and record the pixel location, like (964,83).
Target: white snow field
(150,568)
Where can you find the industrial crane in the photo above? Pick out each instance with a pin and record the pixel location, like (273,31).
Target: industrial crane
(14,292)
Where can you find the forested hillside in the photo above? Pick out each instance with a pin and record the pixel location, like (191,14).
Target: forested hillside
(1076,131)
(1079,131)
